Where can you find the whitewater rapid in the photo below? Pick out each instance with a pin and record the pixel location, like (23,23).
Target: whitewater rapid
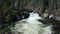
(31,25)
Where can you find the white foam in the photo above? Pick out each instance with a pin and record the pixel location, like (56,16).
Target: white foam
(31,25)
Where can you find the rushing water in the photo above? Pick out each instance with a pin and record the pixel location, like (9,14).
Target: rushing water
(31,25)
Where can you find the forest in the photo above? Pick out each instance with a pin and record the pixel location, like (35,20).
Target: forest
(15,10)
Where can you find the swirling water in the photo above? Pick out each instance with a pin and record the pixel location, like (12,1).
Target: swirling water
(31,25)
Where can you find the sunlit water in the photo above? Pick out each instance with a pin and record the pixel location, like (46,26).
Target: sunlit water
(31,25)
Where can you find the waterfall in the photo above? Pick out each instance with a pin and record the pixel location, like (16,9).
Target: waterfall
(31,25)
